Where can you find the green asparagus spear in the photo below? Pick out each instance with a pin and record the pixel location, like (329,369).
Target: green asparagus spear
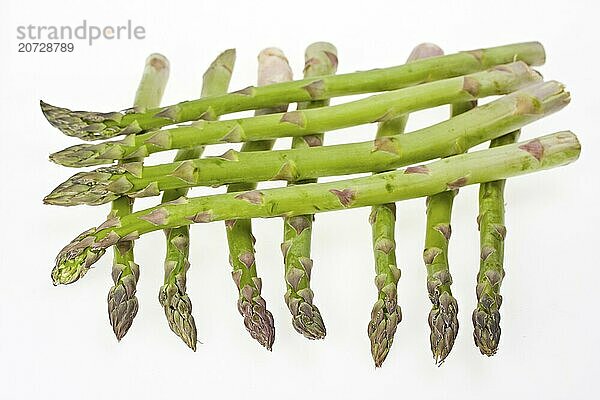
(94,125)
(486,317)
(444,139)
(172,295)
(499,80)
(320,60)
(122,302)
(386,313)
(503,162)
(273,67)
(443,317)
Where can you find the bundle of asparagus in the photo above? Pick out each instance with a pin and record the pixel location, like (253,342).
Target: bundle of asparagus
(428,79)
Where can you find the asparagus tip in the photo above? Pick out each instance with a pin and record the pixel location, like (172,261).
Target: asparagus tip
(486,321)
(307,320)
(178,310)
(85,155)
(86,125)
(443,321)
(69,268)
(257,319)
(385,317)
(76,258)
(58,198)
(121,316)
(121,299)
(90,188)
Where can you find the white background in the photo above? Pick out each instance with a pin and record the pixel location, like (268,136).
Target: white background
(55,342)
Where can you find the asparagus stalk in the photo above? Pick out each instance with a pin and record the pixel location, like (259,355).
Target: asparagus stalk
(386,313)
(492,231)
(320,60)
(446,138)
(498,80)
(503,162)
(172,295)
(95,125)
(122,302)
(273,67)
(443,317)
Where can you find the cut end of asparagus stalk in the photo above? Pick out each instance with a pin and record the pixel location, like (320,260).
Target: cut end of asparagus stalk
(224,60)
(178,310)
(533,53)
(425,50)
(218,74)
(320,59)
(545,97)
(536,54)
(273,67)
(157,63)
(152,84)
(122,302)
